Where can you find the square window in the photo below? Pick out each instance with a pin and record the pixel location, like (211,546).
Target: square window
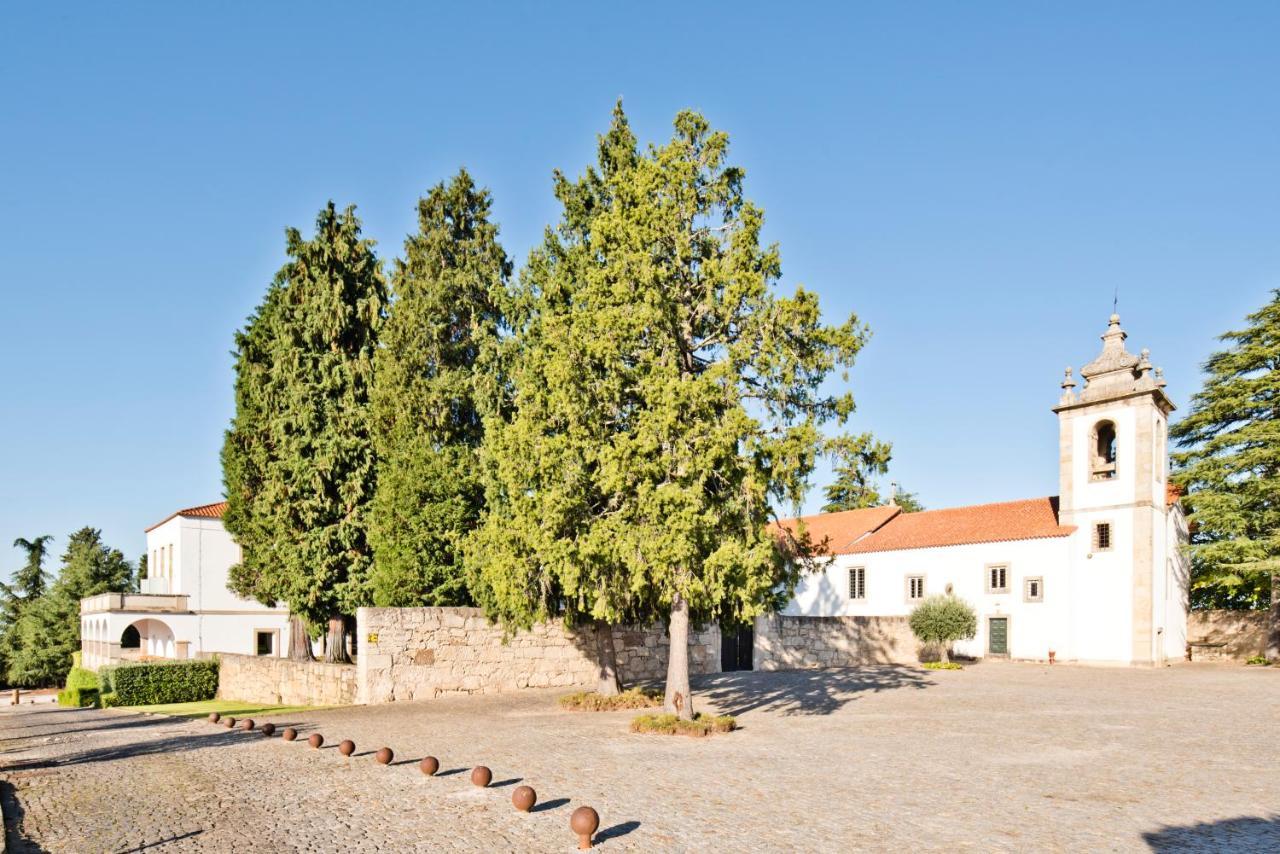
(265,643)
(1033,590)
(858,582)
(998,578)
(915,587)
(1102,537)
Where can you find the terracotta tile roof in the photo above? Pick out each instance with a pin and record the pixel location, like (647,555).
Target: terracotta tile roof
(1034,518)
(1172,492)
(203,511)
(834,533)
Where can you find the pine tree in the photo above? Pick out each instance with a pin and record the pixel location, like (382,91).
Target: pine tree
(860,460)
(438,350)
(663,396)
(28,584)
(298,462)
(1231,469)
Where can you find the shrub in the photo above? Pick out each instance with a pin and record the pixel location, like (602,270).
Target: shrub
(632,698)
(75,659)
(177,682)
(1258,659)
(668,724)
(108,699)
(943,620)
(81,678)
(942,665)
(78,698)
(105,675)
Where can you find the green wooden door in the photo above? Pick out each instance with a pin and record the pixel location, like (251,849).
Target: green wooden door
(998,644)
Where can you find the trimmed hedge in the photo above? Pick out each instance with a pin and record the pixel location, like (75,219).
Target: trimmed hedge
(176,682)
(105,675)
(78,677)
(78,698)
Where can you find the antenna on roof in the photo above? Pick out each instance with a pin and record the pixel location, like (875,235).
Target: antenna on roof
(893,493)
(1115,301)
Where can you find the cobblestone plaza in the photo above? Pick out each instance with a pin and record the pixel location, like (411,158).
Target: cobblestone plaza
(996,757)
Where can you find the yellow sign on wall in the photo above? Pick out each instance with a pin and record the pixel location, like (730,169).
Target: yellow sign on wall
(373,637)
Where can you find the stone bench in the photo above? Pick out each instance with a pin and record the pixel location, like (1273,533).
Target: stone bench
(1206,650)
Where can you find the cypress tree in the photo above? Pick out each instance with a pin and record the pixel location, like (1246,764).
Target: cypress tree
(437,356)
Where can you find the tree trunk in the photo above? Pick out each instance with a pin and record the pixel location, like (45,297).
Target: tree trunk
(678,700)
(336,645)
(946,653)
(299,640)
(1273,634)
(608,684)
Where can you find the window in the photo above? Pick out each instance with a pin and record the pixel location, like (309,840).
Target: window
(1033,590)
(265,642)
(915,587)
(1102,537)
(997,578)
(1104,451)
(858,582)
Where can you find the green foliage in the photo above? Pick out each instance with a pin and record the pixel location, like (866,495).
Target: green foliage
(909,502)
(943,620)
(667,724)
(106,676)
(78,698)
(438,351)
(78,677)
(942,665)
(298,461)
(591,701)
(859,461)
(1230,466)
(168,682)
(28,584)
(661,397)
(1258,660)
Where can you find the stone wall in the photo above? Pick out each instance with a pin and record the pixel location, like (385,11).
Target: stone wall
(796,643)
(279,681)
(418,653)
(1243,633)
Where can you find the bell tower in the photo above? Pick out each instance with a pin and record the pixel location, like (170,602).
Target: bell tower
(1113,470)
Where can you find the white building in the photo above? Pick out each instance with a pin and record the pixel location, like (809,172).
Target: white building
(185,609)
(1093,574)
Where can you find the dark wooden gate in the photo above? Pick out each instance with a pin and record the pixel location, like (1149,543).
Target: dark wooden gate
(736,645)
(998,643)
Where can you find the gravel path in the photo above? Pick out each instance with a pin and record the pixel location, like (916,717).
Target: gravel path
(996,757)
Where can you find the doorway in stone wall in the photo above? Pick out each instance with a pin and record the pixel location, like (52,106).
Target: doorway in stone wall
(737,640)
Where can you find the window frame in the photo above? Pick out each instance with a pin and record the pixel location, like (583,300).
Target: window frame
(858,594)
(1008,573)
(1026,588)
(275,643)
(923,587)
(1095,540)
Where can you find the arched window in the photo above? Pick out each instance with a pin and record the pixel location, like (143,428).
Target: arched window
(130,639)
(1104,451)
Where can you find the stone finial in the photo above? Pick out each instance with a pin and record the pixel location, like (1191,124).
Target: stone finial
(1068,388)
(1160,380)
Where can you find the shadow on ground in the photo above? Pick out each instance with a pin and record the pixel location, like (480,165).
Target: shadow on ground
(1247,833)
(803,692)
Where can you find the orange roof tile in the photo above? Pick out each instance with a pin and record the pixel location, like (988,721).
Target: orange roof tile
(203,511)
(1031,519)
(834,533)
(1172,492)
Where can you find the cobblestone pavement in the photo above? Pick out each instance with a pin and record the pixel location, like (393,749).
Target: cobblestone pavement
(996,757)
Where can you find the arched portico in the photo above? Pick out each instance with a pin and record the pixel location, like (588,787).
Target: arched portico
(155,639)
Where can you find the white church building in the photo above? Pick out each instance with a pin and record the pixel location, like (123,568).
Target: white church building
(184,609)
(1093,574)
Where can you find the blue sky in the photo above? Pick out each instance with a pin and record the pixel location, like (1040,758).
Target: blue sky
(974,180)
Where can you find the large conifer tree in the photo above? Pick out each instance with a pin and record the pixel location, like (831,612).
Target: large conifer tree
(1231,468)
(663,397)
(28,584)
(437,356)
(298,461)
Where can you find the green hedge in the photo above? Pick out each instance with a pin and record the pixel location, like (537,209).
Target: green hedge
(78,698)
(81,678)
(178,682)
(106,674)
(107,699)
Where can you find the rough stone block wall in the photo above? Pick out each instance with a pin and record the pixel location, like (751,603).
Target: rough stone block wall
(268,680)
(1243,632)
(797,643)
(419,653)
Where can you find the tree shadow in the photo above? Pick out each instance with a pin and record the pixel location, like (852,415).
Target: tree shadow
(149,845)
(170,744)
(546,806)
(617,830)
(803,692)
(13,816)
(1246,833)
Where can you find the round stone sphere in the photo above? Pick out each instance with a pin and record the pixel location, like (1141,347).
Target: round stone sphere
(214,717)
(268,729)
(289,734)
(523,798)
(384,755)
(229,723)
(316,739)
(247,725)
(481,776)
(347,747)
(584,822)
(429,765)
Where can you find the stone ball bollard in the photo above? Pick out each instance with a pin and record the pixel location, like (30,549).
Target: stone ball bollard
(289,734)
(214,717)
(268,729)
(429,765)
(584,822)
(247,725)
(481,776)
(347,747)
(229,723)
(315,740)
(523,798)
(384,755)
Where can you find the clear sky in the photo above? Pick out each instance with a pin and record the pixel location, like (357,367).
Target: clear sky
(975,180)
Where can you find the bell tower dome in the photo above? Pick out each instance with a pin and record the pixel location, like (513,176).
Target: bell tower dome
(1112,473)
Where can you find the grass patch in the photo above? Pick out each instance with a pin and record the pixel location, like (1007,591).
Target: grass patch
(668,724)
(942,665)
(238,708)
(1258,660)
(632,698)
